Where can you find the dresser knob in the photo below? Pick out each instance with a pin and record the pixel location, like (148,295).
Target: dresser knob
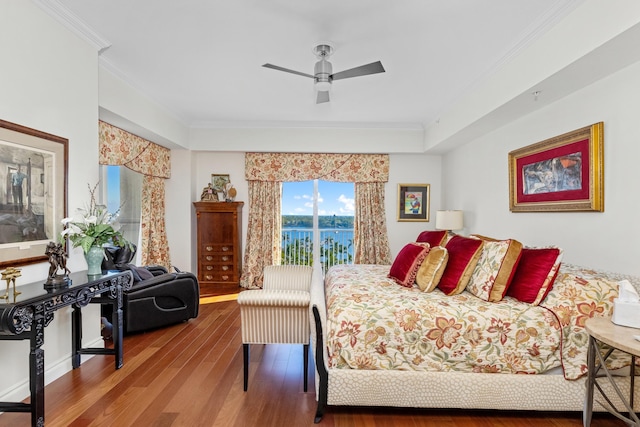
(225,277)
(225,267)
(209,248)
(209,257)
(225,258)
(209,267)
(208,277)
(225,248)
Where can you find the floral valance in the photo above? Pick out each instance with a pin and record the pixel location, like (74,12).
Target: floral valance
(119,147)
(292,167)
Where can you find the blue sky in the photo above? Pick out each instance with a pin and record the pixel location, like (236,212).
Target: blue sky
(113,189)
(336,198)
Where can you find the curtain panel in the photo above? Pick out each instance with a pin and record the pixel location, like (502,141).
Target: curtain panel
(370,240)
(263,231)
(118,147)
(263,170)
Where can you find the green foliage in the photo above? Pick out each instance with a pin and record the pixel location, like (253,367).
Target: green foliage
(324,221)
(92,226)
(300,252)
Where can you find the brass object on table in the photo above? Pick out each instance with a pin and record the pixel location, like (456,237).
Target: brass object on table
(10,275)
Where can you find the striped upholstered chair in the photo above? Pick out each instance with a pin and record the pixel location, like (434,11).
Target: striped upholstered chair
(278,313)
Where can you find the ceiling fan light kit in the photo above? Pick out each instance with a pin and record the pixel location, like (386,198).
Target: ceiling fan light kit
(323,74)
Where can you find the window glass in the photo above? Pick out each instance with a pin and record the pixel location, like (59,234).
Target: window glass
(121,193)
(335,208)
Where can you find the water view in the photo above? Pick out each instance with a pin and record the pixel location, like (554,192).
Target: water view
(336,241)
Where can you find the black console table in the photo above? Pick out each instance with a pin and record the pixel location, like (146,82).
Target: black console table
(25,316)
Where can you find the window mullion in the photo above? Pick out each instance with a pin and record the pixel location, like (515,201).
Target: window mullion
(316,232)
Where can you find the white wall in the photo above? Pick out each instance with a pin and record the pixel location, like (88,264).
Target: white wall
(48,81)
(476,177)
(178,198)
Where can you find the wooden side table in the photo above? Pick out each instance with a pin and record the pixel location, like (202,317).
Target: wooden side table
(603,330)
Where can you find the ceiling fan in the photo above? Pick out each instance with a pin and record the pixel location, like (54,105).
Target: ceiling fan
(323,71)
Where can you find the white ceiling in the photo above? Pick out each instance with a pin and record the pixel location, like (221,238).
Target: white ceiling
(202,59)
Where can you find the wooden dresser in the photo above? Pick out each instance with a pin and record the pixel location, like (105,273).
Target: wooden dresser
(219,246)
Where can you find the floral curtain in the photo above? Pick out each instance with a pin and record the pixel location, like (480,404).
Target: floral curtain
(291,167)
(263,233)
(370,225)
(121,148)
(153,235)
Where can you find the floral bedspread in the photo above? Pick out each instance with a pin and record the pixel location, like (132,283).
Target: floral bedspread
(373,323)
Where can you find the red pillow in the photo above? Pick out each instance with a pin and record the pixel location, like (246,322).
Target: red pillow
(433,238)
(535,274)
(463,257)
(406,265)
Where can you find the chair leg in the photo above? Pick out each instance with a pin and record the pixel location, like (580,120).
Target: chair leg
(305,352)
(245,357)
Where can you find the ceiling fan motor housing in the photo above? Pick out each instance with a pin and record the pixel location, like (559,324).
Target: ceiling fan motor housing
(322,73)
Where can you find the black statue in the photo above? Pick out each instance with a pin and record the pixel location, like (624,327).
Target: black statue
(57,260)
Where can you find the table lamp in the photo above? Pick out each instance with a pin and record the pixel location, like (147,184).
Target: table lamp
(449,220)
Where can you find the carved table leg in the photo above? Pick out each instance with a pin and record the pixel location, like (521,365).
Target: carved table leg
(76,336)
(118,329)
(36,370)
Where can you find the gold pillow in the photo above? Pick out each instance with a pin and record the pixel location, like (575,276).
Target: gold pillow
(497,264)
(430,272)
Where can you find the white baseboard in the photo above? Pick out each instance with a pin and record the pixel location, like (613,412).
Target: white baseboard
(52,371)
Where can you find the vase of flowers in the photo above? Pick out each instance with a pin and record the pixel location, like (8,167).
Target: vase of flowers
(91,228)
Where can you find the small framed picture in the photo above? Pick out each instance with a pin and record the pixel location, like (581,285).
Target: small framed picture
(413,202)
(219,182)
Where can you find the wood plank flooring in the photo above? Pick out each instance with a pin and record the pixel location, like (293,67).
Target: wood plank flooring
(191,375)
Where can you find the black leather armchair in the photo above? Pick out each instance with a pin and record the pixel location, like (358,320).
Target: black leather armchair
(157,298)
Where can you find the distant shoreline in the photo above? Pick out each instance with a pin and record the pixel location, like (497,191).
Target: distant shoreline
(324,221)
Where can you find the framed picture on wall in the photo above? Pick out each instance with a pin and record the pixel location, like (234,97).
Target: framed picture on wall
(219,182)
(33,195)
(560,174)
(413,202)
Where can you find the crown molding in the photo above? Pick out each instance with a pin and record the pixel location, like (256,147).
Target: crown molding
(265,124)
(69,20)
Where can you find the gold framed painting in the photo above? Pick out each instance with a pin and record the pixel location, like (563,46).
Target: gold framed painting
(219,181)
(413,202)
(560,174)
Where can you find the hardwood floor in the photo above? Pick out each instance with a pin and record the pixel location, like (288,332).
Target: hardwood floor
(191,375)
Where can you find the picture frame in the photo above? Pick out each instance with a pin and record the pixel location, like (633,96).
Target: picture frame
(31,211)
(219,182)
(561,174)
(414,202)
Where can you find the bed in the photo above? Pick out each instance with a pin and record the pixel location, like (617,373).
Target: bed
(377,343)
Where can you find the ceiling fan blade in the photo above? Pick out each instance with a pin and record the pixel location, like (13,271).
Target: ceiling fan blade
(363,70)
(323,96)
(286,70)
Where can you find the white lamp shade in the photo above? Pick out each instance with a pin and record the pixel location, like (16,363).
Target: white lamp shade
(449,220)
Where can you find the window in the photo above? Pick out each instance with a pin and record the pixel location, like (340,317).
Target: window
(331,206)
(120,191)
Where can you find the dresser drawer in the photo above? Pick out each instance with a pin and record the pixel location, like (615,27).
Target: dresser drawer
(217,258)
(219,276)
(217,248)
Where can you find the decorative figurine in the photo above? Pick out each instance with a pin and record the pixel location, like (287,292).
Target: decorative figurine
(230,193)
(10,275)
(58,260)
(209,194)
